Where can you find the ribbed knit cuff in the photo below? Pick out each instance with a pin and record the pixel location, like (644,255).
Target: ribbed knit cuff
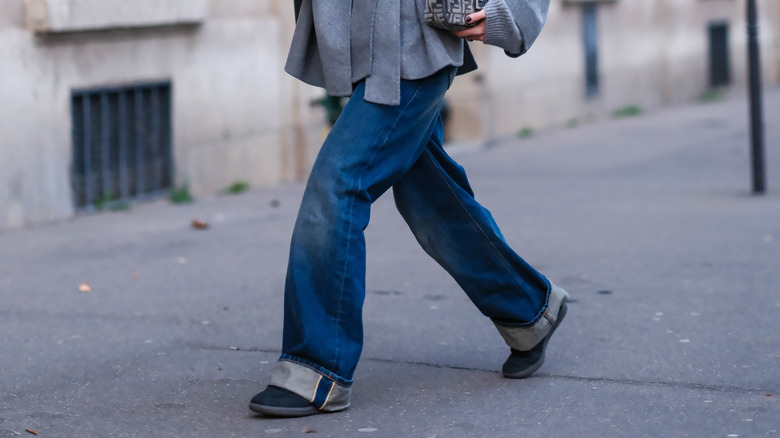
(501,30)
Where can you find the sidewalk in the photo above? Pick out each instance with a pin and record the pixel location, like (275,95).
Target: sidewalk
(648,222)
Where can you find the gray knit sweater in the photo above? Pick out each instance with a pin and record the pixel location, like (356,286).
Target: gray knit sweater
(339,42)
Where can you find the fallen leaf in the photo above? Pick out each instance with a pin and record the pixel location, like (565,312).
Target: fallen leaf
(84,288)
(200,225)
(32,431)
(308,429)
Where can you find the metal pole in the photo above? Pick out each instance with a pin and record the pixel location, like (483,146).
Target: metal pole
(756,105)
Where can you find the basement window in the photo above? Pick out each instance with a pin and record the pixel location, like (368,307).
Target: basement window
(720,62)
(590,37)
(122,144)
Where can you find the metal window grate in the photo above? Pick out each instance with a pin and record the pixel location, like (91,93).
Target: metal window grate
(590,36)
(122,144)
(720,63)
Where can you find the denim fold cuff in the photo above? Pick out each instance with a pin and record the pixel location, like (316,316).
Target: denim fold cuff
(320,390)
(526,337)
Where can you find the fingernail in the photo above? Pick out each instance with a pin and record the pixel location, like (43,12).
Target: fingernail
(468,19)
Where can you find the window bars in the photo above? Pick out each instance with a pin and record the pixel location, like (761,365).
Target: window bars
(122,144)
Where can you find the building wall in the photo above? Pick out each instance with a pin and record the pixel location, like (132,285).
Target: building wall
(772,10)
(238,116)
(652,52)
(233,115)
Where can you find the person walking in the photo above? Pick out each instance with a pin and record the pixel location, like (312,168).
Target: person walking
(396,69)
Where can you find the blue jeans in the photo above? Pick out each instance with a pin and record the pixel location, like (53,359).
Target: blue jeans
(370,149)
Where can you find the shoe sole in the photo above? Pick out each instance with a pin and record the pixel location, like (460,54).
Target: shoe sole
(532,369)
(280,411)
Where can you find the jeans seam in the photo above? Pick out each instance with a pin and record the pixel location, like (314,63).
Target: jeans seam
(316,387)
(328,396)
(484,236)
(351,209)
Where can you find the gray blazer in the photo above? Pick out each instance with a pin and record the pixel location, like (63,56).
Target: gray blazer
(330,51)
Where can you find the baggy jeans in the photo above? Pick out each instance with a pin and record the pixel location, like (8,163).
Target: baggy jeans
(370,149)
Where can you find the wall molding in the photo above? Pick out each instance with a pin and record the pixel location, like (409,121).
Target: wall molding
(53,16)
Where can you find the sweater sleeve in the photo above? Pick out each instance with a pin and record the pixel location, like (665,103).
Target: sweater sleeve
(514,25)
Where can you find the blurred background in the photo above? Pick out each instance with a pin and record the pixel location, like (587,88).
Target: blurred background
(106,102)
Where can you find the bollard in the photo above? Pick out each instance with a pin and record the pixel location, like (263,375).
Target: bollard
(756,104)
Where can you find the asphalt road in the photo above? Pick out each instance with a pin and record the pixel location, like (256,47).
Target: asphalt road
(648,222)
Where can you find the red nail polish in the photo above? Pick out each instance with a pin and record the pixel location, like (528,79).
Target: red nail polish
(468,19)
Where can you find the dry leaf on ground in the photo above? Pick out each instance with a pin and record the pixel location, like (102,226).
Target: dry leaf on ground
(32,431)
(200,225)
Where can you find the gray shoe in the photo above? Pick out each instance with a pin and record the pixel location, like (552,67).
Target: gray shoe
(522,364)
(528,343)
(279,402)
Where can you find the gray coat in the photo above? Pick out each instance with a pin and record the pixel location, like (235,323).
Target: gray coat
(338,42)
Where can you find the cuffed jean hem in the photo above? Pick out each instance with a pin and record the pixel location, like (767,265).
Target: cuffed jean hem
(526,337)
(323,389)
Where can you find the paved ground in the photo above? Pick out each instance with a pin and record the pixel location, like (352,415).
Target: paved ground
(673,331)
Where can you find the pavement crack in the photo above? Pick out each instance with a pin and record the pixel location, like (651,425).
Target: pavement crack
(659,383)
(206,347)
(590,379)
(427,364)
(633,382)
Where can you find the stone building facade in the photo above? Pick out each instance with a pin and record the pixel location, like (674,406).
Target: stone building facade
(229,115)
(107,99)
(647,53)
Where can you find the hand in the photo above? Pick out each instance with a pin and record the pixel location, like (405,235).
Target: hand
(477,32)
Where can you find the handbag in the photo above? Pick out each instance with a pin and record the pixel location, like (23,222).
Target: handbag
(451,14)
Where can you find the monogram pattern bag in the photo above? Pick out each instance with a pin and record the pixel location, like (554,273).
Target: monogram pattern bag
(451,14)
